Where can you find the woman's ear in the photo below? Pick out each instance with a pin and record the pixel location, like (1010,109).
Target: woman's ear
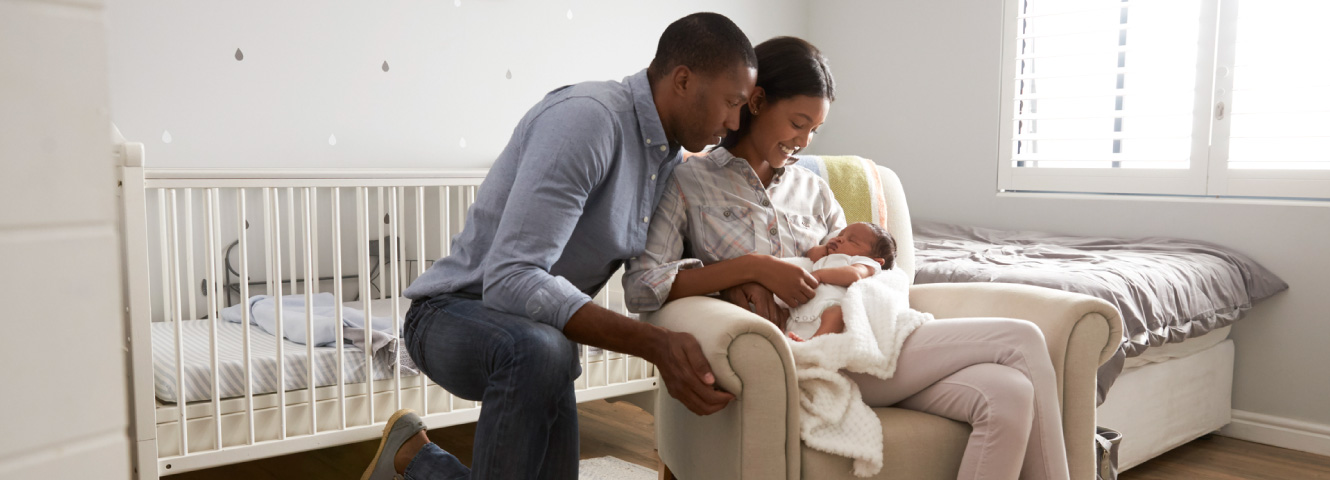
(757,101)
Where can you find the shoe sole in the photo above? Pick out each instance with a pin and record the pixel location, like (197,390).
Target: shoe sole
(383,440)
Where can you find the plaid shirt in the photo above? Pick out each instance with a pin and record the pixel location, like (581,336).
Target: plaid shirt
(715,208)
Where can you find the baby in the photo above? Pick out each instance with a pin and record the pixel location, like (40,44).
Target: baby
(859,251)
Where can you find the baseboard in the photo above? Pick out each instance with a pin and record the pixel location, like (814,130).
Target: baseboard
(1279,431)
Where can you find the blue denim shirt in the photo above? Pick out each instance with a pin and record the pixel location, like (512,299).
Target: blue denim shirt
(565,204)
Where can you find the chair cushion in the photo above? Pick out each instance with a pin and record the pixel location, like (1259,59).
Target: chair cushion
(855,183)
(917,445)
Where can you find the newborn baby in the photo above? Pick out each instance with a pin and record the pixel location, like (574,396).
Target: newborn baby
(859,251)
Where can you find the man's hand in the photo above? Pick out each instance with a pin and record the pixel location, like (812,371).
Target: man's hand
(687,374)
(761,300)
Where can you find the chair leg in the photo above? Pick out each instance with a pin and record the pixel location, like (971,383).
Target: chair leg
(663,470)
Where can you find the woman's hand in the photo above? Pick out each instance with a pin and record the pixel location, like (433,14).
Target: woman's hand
(756,298)
(792,284)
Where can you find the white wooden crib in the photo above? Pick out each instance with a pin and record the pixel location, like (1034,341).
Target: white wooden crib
(306,232)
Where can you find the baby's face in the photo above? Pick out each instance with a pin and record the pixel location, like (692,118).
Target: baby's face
(856,239)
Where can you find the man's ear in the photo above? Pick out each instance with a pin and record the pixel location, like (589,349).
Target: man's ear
(758,100)
(881,261)
(681,79)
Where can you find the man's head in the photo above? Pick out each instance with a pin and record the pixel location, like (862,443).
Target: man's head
(865,239)
(701,77)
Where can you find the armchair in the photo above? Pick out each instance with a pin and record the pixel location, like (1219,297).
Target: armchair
(757,436)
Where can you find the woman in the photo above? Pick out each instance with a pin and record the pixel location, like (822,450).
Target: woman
(736,208)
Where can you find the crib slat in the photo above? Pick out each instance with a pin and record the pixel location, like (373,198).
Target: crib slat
(395,293)
(420,270)
(291,223)
(241,226)
(276,254)
(362,257)
(193,311)
(337,299)
(176,315)
(211,201)
(308,237)
(382,267)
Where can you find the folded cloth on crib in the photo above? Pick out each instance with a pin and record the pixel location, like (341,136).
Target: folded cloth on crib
(834,418)
(382,341)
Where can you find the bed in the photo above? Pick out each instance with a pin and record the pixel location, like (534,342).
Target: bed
(1171,379)
(208,391)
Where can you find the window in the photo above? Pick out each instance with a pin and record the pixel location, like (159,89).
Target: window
(1174,97)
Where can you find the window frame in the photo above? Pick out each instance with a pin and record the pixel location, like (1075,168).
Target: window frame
(1208,174)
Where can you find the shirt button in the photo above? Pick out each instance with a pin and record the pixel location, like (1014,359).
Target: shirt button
(663,148)
(646,219)
(765,203)
(653,176)
(773,230)
(648,141)
(727,213)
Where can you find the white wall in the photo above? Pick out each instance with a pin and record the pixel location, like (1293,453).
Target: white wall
(313,69)
(63,407)
(918,92)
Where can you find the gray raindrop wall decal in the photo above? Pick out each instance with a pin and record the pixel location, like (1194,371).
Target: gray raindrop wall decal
(332,139)
(385,65)
(457,3)
(462,143)
(239,55)
(570,14)
(166,136)
(508,75)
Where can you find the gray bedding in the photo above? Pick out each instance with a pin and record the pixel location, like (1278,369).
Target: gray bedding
(1167,289)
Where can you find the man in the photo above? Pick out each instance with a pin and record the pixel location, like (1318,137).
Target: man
(566,202)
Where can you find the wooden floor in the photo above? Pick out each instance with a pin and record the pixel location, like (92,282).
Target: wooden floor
(625,431)
(615,429)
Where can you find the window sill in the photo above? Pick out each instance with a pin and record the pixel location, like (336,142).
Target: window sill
(1282,202)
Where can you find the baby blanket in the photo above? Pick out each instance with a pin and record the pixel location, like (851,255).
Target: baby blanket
(263,313)
(834,418)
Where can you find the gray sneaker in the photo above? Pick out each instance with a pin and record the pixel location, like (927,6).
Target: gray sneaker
(403,425)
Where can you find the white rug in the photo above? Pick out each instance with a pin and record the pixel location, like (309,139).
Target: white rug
(610,468)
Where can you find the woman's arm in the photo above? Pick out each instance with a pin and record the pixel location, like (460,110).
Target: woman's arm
(792,284)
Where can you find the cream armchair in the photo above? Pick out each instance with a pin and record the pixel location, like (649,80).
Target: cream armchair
(757,436)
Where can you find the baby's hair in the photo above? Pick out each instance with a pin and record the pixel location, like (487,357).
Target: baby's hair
(885,245)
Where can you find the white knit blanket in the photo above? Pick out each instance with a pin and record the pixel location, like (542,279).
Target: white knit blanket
(834,418)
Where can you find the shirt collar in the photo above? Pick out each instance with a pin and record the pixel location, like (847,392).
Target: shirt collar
(648,118)
(721,157)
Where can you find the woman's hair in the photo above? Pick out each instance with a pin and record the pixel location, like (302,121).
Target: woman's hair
(786,67)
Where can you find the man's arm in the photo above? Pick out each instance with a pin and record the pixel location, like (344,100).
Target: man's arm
(682,364)
(564,156)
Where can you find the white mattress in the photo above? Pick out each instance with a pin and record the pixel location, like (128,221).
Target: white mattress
(263,358)
(1178,350)
(1161,405)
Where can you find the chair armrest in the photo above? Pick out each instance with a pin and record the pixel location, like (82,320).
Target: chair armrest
(1082,332)
(1056,312)
(757,435)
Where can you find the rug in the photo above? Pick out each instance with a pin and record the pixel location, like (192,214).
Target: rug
(610,468)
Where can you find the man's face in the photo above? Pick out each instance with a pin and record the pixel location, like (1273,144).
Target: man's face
(713,105)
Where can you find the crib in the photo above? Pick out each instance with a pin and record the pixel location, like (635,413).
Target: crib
(208,392)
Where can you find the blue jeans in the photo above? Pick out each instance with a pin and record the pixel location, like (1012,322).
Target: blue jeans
(520,370)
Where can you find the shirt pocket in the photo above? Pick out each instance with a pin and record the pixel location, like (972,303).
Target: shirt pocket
(807,231)
(726,232)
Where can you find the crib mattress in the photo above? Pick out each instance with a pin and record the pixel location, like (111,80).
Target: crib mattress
(197,336)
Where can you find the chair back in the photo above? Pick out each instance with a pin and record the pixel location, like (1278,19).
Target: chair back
(868,193)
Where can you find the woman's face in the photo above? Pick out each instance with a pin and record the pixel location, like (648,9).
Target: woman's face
(784,127)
